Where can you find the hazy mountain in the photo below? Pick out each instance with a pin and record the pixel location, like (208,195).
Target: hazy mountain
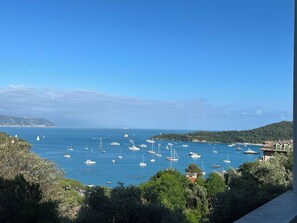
(10,121)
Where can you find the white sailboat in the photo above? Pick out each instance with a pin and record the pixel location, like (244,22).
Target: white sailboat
(101,145)
(133,147)
(203,169)
(152,150)
(120,156)
(159,151)
(227,160)
(173,155)
(143,163)
(67,155)
(37,138)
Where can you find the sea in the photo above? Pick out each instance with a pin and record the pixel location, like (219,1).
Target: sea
(95,144)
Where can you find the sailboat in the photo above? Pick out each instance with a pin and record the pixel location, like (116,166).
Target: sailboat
(173,155)
(159,153)
(120,156)
(143,163)
(101,145)
(133,147)
(203,169)
(214,151)
(227,160)
(37,138)
(152,150)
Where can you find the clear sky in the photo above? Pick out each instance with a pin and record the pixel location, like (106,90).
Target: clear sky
(187,64)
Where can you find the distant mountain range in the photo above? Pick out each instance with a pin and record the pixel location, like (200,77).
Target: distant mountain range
(9,121)
(274,132)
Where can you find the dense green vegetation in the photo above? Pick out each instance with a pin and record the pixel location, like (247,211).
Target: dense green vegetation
(277,131)
(34,190)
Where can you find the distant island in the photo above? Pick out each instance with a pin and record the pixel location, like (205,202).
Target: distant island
(9,121)
(273,132)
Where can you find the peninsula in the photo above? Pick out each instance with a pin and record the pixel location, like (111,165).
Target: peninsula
(273,132)
(9,121)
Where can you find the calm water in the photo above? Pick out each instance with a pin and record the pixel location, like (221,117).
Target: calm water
(55,142)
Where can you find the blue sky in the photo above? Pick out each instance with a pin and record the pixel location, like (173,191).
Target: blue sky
(196,64)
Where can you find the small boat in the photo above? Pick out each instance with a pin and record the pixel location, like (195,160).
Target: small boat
(108,182)
(215,166)
(238,148)
(150,141)
(159,153)
(126,135)
(115,144)
(133,147)
(152,150)
(70,148)
(169,144)
(249,151)
(214,151)
(143,145)
(185,145)
(90,162)
(227,160)
(203,169)
(120,156)
(143,163)
(67,156)
(37,138)
(231,145)
(195,155)
(152,160)
(173,156)
(113,161)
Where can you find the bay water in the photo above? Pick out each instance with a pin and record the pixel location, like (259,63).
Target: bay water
(83,144)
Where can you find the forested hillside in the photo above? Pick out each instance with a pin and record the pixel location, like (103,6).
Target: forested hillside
(277,131)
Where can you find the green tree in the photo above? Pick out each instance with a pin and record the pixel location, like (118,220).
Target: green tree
(167,188)
(193,168)
(252,185)
(215,184)
(21,201)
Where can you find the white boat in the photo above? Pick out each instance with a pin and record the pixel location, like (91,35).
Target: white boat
(203,169)
(249,151)
(173,155)
(143,145)
(67,156)
(238,148)
(90,162)
(231,145)
(133,147)
(214,151)
(113,161)
(126,135)
(100,143)
(159,151)
(120,156)
(169,145)
(152,160)
(152,150)
(143,163)
(185,145)
(37,138)
(70,148)
(115,144)
(227,160)
(150,141)
(195,155)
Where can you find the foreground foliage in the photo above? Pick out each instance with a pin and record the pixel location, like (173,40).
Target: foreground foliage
(34,190)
